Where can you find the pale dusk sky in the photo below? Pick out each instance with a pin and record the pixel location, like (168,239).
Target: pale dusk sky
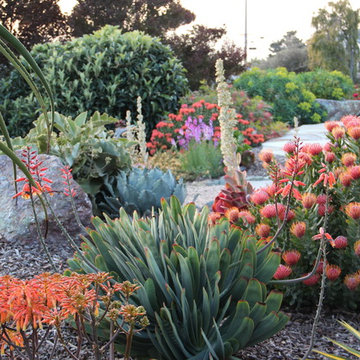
(268,20)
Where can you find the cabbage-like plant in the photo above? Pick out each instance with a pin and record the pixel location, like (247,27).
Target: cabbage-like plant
(203,286)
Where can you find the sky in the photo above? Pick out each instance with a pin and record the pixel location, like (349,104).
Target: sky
(267,20)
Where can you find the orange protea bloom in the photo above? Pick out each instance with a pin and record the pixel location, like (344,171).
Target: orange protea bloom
(263,230)
(350,120)
(259,197)
(247,216)
(214,217)
(357,248)
(329,156)
(351,281)
(291,257)
(315,149)
(355,172)
(340,242)
(322,209)
(338,132)
(329,125)
(312,280)
(348,159)
(308,200)
(354,132)
(353,210)
(268,211)
(298,229)
(232,214)
(289,147)
(345,179)
(266,156)
(332,272)
(282,272)
(290,214)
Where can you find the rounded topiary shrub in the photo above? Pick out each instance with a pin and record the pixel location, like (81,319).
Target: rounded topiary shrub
(104,72)
(287,96)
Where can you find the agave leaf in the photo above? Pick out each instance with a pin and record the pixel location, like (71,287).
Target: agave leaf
(258,312)
(100,263)
(268,268)
(243,332)
(253,292)
(213,259)
(209,345)
(273,301)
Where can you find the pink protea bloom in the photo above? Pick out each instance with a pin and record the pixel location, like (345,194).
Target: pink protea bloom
(214,217)
(232,214)
(351,281)
(263,230)
(348,159)
(308,200)
(259,197)
(351,121)
(290,214)
(305,157)
(353,210)
(266,156)
(329,125)
(312,280)
(340,242)
(328,146)
(329,156)
(289,147)
(315,149)
(355,172)
(282,272)
(338,132)
(247,216)
(321,199)
(322,209)
(332,272)
(291,257)
(268,211)
(357,248)
(354,132)
(345,179)
(298,229)
(271,190)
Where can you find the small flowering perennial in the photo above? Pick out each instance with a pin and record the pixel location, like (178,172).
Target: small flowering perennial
(282,272)
(340,242)
(298,229)
(312,280)
(332,272)
(291,257)
(353,210)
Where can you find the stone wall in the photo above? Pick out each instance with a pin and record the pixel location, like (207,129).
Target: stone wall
(336,109)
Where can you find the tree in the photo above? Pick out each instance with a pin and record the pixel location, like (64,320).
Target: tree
(289,52)
(196,50)
(334,44)
(33,21)
(155,17)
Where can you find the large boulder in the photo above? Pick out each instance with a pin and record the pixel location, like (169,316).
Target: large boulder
(16,215)
(336,109)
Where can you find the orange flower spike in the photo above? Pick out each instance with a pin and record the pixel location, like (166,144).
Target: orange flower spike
(322,234)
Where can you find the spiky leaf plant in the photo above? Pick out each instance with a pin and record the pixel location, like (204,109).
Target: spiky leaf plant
(203,286)
(140,190)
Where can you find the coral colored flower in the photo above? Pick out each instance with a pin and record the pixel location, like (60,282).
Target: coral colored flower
(321,199)
(329,125)
(357,248)
(247,216)
(214,217)
(290,214)
(289,147)
(263,230)
(312,280)
(326,177)
(322,234)
(259,197)
(232,214)
(338,132)
(303,156)
(298,229)
(345,179)
(266,156)
(353,210)
(268,211)
(351,281)
(328,147)
(315,149)
(332,272)
(350,120)
(322,209)
(348,159)
(354,132)
(291,257)
(308,200)
(355,172)
(282,272)
(329,157)
(340,242)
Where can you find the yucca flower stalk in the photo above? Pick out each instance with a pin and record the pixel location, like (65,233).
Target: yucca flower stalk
(141,135)
(227,121)
(130,135)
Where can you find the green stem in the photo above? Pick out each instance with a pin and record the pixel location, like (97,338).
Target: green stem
(129,338)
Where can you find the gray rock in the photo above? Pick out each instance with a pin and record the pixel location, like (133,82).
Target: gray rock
(336,109)
(16,215)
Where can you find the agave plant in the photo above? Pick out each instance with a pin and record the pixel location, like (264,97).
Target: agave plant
(140,190)
(349,349)
(203,287)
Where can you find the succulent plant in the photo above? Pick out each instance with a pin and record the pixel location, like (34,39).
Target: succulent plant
(203,287)
(139,190)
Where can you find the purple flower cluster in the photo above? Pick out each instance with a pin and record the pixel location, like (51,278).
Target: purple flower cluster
(195,130)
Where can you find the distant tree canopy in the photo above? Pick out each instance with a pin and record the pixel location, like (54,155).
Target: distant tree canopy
(154,17)
(334,44)
(196,50)
(289,52)
(33,21)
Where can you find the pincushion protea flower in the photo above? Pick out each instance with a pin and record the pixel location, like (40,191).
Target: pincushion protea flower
(338,132)
(298,229)
(357,248)
(355,172)
(332,272)
(352,281)
(312,280)
(345,179)
(353,210)
(259,197)
(282,272)
(266,156)
(340,242)
(245,215)
(268,211)
(354,132)
(329,125)
(308,200)
(291,257)
(330,157)
(348,159)
(350,121)
(214,217)
(263,230)
(232,214)
(289,147)
(315,149)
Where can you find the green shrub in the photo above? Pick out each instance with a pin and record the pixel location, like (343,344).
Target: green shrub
(203,287)
(104,72)
(327,84)
(287,96)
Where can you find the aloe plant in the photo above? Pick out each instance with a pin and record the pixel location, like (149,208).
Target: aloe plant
(203,287)
(139,190)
